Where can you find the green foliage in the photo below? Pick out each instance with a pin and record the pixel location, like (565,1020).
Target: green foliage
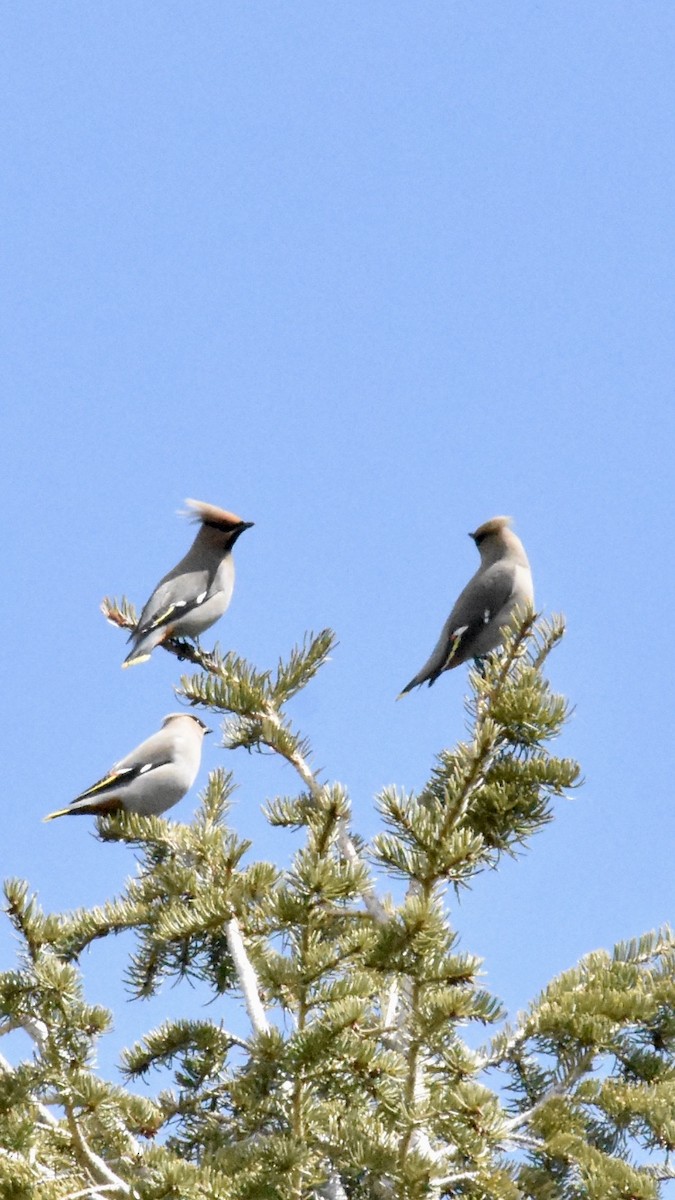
(356,1078)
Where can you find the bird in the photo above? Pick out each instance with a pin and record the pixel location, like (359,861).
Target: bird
(152,778)
(192,596)
(502,583)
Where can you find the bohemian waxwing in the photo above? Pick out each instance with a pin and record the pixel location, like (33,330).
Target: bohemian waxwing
(152,778)
(197,591)
(502,583)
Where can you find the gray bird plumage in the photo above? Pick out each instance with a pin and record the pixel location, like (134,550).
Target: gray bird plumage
(152,778)
(502,583)
(192,596)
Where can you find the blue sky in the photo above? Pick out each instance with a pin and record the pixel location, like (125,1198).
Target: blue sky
(367,274)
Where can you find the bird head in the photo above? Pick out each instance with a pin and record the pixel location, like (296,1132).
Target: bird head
(224,523)
(185,716)
(494,538)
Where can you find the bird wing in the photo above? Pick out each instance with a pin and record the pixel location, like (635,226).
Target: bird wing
(174,597)
(482,599)
(155,751)
(159,750)
(120,776)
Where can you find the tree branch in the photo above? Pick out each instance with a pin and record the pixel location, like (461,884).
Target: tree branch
(246,974)
(97,1168)
(183,650)
(558,1089)
(94,1191)
(6,1067)
(374,906)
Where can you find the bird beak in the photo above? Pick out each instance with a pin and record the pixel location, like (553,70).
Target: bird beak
(235,534)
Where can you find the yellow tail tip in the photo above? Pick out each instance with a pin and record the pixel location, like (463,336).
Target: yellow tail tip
(131,662)
(62,812)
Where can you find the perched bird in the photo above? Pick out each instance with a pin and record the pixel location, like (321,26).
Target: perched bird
(152,778)
(502,583)
(197,591)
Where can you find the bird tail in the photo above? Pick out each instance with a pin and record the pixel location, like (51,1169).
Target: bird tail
(86,807)
(144,642)
(135,656)
(408,688)
(422,677)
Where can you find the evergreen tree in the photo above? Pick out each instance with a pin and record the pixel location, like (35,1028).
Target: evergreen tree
(356,1079)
